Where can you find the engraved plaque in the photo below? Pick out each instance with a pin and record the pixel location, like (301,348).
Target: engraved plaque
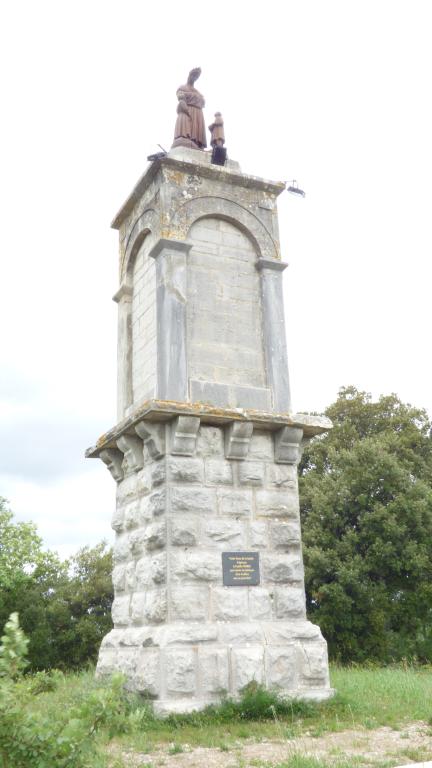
(240,569)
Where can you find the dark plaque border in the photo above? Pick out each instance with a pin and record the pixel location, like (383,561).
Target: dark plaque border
(240,569)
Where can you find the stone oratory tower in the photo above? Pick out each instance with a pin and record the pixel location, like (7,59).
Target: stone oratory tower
(208,574)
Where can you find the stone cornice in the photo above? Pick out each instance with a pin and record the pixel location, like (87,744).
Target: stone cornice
(204,169)
(158,411)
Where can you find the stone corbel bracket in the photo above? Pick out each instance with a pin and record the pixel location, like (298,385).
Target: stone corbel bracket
(132,448)
(153,437)
(237,440)
(288,445)
(184,432)
(113,458)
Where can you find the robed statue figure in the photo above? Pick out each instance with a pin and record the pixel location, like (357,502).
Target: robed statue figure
(189,128)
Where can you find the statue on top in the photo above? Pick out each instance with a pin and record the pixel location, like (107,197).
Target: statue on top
(189,128)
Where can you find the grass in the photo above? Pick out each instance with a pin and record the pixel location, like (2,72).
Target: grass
(365,698)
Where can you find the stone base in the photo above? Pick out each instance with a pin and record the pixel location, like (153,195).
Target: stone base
(188,143)
(185,666)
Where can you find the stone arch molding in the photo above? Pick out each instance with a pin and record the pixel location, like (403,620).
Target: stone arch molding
(145,224)
(220,207)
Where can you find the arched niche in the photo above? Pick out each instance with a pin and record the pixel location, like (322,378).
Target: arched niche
(226,360)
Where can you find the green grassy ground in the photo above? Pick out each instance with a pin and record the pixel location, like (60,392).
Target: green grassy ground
(365,699)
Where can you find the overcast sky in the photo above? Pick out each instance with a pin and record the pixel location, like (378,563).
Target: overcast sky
(333,94)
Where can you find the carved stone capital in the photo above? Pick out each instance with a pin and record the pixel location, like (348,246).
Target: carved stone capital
(288,447)
(113,458)
(132,448)
(184,431)
(237,439)
(153,437)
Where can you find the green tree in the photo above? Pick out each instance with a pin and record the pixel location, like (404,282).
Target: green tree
(64,607)
(366,506)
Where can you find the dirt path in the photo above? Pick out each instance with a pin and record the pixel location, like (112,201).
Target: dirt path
(382,745)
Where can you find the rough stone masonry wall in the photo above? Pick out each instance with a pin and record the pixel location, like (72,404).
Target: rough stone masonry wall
(179,635)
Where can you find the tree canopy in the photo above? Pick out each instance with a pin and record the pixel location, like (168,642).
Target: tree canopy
(366,506)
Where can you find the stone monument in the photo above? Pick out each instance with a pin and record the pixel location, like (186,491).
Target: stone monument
(208,574)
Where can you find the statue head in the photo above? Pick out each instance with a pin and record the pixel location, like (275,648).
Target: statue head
(194,75)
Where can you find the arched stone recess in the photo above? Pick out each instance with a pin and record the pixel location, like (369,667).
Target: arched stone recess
(145,225)
(226,356)
(223,208)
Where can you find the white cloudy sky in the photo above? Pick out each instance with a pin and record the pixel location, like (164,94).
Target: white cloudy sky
(333,93)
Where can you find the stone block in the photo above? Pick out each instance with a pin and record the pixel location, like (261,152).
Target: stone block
(143,481)
(282,632)
(132,515)
(210,441)
(126,664)
(195,566)
(130,575)
(248,666)
(258,536)
(117,519)
(284,535)
(127,488)
(260,604)
(155,609)
(184,432)
(154,505)
(241,633)
(137,606)
(281,667)
(119,578)
(261,446)
(158,568)
(183,469)
(121,548)
(234,503)
(107,662)
(218,472)
(313,661)
(282,476)
(191,633)
(201,500)
(282,569)
(180,669)
(229,603)
(224,534)
(189,603)
(113,458)
(120,611)
(158,472)
(153,437)
(137,540)
(251,473)
(277,503)
(184,531)
(147,673)
(237,439)
(290,602)
(143,573)
(155,535)
(213,670)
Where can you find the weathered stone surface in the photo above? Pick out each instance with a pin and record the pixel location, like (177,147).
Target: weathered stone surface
(210,441)
(155,535)
(248,666)
(137,605)
(313,664)
(224,534)
(191,633)
(237,440)
(184,432)
(158,473)
(155,608)
(130,575)
(258,536)
(154,505)
(147,673)
(229,604)
(195,566)
(113,459)
(280,503)
(282,632)
(121,548)
(180,668)
(260,604)
(282,476)
(214,670)
(120,610)
(290,602)
(287,445)
(189,603)
(183,469)
(132,516)
(282,569)
(119,578)
(132,448)
(184,531)
(143,572)
(158,568)
(218,472)
(251,473)
(261,446)
(235,503)
(193,500)
(117,520)
(284,535)
(281,667)
(241,633)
